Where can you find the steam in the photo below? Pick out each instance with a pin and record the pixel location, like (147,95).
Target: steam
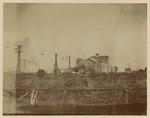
(28,54)
(25,43)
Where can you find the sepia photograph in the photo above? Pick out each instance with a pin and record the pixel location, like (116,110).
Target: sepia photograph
(74,59)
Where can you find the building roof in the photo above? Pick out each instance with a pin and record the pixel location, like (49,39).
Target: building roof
(79,60)
(100,58)
(91,59)
(127,69)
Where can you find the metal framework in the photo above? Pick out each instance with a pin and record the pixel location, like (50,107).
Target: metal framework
(18,68)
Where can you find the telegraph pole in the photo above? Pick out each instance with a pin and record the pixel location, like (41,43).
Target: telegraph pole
(69,61)
(18,68)
(24,61)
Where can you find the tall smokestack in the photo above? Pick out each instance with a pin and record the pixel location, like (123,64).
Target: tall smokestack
(56,63)
(69,62)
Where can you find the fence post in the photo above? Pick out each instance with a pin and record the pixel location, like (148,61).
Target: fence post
(126,96)
(33,97)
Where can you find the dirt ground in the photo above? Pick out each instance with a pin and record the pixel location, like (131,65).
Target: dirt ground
(128,109)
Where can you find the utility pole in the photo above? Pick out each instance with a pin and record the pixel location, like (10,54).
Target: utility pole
(18,68)
(76,63)
(24,61)
(69,61)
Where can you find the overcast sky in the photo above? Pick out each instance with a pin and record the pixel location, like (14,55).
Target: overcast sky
(78,30)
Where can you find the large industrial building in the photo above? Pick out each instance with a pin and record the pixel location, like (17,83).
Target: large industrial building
(95,63)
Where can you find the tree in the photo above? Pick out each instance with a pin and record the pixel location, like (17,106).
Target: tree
(116,68)
(140,70)
(75,69)
(145,69)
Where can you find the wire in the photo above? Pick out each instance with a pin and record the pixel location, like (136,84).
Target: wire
(101,89)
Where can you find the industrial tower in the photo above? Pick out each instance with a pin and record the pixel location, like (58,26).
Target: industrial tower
(56,69)
(18,68)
